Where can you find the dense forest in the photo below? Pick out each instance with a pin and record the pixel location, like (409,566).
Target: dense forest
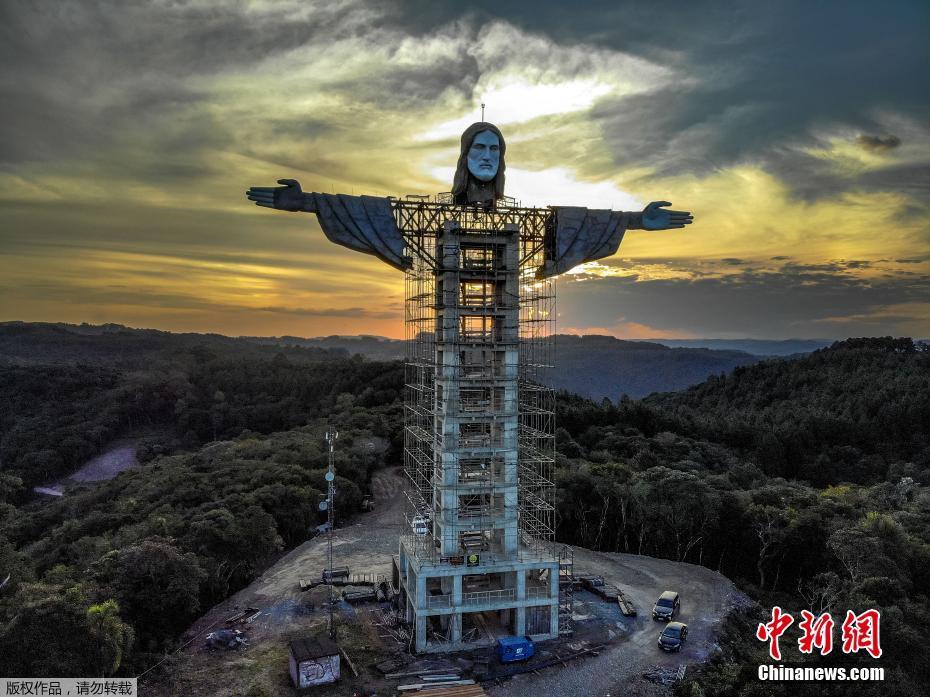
(806,481)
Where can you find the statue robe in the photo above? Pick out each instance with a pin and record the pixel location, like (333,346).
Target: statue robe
(367,224)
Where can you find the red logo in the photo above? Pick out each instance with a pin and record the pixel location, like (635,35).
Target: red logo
(860,632)
(770,631)
(817,633)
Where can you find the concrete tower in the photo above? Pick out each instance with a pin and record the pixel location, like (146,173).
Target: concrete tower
(474,562)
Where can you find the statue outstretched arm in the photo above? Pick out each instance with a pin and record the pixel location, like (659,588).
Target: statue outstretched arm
(363,223)
(580,235)
(289,197)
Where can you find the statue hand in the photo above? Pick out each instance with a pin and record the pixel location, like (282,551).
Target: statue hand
(283,198)
(655,218)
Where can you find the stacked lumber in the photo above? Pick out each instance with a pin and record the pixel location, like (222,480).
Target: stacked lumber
(626,605)
(243,616)
(462,688)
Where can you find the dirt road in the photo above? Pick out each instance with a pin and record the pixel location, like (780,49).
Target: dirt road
(706,598)
(365,547)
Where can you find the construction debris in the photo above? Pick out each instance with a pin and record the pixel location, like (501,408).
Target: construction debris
(417,687)
(243,617)
(626,605)
(456,691)
(665,676)
(390,626)
(340,576)
(225,639)
(348,661)
(336,574)
(425,674)
(362,596)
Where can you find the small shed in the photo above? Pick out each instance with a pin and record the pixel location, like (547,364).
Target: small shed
(314,661)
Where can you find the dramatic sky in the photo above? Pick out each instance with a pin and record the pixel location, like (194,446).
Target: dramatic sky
(798,133)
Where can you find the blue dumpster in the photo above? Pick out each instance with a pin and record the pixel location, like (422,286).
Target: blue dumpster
(515,648)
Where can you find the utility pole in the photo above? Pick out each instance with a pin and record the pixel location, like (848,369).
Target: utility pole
(331,436)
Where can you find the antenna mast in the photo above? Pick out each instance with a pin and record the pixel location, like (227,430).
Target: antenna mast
(331,436)
(482,111)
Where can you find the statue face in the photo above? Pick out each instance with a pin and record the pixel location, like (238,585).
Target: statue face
(484,156)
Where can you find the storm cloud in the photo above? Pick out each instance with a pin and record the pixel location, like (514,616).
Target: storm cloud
(795,132)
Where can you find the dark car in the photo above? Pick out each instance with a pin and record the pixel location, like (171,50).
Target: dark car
(666,606)
(673,636)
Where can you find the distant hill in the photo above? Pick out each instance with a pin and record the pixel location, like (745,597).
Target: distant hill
(113,345)
(374,348)
(592,366)
(841,413)
(757,347)
(602,366)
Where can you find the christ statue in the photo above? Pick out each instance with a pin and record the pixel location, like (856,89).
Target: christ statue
(479,417)
(368,223)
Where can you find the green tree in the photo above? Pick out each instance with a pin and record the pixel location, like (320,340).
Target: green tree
(112,638)
(47,634)
(158,588)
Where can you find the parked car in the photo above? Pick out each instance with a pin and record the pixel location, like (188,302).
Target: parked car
(666,606)
(673,636)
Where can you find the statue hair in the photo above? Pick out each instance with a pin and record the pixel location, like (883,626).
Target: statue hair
(460,182)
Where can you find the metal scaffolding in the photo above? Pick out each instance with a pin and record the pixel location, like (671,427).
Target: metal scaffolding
(481,301)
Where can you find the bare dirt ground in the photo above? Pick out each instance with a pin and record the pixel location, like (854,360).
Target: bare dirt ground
(105,466)
(706,597)
(108,465)
(366,546)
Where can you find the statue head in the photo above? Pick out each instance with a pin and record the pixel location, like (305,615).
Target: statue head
(481,162)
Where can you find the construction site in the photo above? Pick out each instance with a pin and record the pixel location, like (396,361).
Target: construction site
(453,560)
(609,645)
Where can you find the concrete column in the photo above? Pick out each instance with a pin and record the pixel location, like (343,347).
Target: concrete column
(456,591)
(519,623)
(554,594)
(420,628)
(409,586)
(421,591)
(456,634)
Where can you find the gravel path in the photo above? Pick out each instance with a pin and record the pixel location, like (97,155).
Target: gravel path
(706,597)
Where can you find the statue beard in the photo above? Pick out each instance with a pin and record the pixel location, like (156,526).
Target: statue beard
(481,193)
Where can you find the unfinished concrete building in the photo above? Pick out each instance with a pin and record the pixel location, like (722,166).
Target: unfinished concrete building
(475,559)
